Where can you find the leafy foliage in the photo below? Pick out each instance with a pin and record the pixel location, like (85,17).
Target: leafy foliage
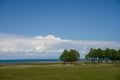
(70,56)
(98,55)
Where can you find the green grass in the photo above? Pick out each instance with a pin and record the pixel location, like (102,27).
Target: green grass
(60,72)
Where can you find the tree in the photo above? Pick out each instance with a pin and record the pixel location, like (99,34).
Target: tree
(113,55)
(118,55)
(100,55)
(64,56)
(92,55)
(74,55)
(107,53)
(70,56)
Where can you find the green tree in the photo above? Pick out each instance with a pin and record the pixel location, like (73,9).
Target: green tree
(107,53)
(113,55)
(100,55)
(92,55)
(118,55)
(64,56)
(74,55)
(70,56)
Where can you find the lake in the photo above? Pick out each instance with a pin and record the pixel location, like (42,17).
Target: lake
(27,61)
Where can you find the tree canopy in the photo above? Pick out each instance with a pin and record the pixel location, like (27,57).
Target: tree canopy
(98,55)
(69,56)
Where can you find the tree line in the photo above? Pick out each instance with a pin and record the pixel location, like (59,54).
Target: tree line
(94,56)
(100,56)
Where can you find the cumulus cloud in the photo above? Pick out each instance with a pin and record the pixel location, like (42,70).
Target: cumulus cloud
(49,37)
(14,46)
(22,44)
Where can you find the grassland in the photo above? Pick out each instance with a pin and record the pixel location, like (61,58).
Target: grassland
(59,72)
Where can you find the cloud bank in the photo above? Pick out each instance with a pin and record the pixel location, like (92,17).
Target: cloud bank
(20,47)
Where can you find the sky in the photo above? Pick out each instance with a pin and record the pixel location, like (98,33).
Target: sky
(44,28)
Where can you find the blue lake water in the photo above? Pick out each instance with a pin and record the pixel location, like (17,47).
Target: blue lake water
(30,61)
(27,61)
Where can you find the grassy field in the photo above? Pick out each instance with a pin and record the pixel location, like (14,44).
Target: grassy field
(59,72)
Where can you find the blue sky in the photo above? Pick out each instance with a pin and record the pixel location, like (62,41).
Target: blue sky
(44,28)
(72,19)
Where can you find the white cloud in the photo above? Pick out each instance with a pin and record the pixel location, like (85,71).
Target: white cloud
(13,46)
(49,37)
